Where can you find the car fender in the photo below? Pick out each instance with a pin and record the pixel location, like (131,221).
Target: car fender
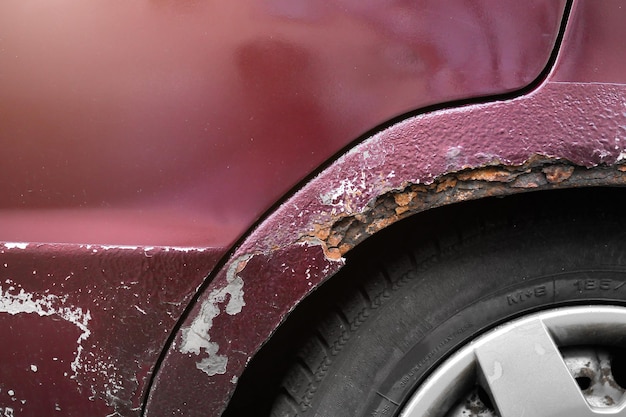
(568,132)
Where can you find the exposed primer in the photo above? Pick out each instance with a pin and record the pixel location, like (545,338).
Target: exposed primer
(182,249)
(16,245)
(196,338)
(147,248)
(341,195)
(15,300)
(118,247)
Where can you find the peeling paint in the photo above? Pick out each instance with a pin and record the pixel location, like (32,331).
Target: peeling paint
(16,245)
(147,248)
(15,300)
(120,247)
(541,141)
(196,338)
(104,354)
(341,195)
(341,232)
(140,309)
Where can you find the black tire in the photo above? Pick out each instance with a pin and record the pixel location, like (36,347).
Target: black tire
(404,310)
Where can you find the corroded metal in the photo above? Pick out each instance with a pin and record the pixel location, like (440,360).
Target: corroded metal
(424,162)
(341,235)
(569,132)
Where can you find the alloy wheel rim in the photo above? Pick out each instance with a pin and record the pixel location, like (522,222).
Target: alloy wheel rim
(553,363)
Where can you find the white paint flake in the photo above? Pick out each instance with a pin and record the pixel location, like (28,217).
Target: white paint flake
(142,311)
(21,302)
(347,190)
(196,338)
(15,245)
(183,249)
(119,247)
(34,368)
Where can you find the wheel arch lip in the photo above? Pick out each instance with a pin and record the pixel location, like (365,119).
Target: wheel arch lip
(561,135)
(371,187)
(366,190)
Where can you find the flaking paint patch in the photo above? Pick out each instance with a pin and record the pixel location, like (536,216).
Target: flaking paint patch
(196,339)
(148,248)
(16,245)
(118,247)
(347,189)
(15,300)
(338,233)
(331,254)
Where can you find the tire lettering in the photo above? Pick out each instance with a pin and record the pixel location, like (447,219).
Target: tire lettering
(604,284)
(521,296)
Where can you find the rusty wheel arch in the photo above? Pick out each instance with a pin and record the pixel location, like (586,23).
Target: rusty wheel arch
(457,196)
(562,135)
(539,173)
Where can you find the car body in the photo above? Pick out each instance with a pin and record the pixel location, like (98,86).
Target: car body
(178,176)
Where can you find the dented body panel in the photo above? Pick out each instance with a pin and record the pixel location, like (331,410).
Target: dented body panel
(163,136)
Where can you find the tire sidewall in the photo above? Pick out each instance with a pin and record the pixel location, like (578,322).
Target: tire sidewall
(465,292)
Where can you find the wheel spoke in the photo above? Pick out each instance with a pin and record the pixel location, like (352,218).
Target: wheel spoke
(526,376)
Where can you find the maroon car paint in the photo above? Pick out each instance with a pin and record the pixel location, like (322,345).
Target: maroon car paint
(82,325)
(168,123)
(156,124)
(569,131)
(594,48)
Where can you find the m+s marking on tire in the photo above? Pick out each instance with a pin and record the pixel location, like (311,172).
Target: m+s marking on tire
(524,295)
